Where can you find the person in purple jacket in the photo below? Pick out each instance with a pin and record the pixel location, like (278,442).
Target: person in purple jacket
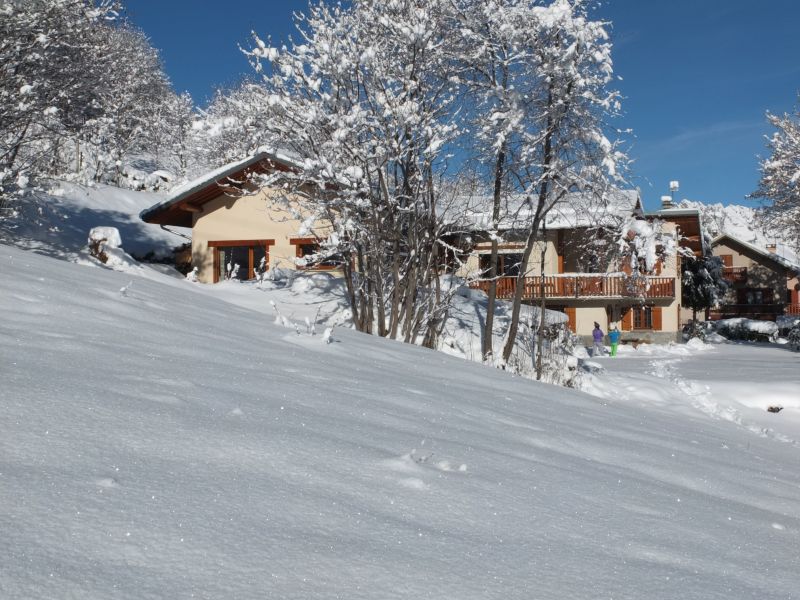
(597,336)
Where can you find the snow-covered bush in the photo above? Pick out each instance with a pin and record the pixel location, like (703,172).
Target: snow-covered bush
(105,245)
(748,329)
(101,239)
(559,364)
(794,339)
(787,322)
(695,330)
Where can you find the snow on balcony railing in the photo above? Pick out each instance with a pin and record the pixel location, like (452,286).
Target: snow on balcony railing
(584,286)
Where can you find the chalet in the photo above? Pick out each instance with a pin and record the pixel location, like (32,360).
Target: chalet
(234,223)
(581,277)
(763,284)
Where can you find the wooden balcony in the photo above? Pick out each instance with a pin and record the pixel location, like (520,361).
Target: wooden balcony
(759,312)
(793,309)
(584,286)
(735,274)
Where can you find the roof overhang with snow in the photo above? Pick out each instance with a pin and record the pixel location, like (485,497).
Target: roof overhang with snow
(775,258)
(575,211)
(183,201)
(689,225)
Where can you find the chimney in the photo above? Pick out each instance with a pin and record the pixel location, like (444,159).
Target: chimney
(666,202)
(772,247)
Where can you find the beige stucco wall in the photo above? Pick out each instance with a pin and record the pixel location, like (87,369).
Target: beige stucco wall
(255,216)
(588,311)
(514,247)
(251,217)
(586,316)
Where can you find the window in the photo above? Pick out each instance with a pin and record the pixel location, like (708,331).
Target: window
(589,263)
(305,251)
(508,265)
(642,317)
(240,259)
(755,296)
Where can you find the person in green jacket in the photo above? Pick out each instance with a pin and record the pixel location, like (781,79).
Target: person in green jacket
(613,338)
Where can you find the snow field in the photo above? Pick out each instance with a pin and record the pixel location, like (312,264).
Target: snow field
(162,443)
(736,382)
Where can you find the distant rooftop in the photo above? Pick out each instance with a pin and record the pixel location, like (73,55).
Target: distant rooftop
(575,210)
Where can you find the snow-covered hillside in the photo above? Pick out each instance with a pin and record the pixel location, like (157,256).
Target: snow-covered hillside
(159,443)
(59,223)
(740,222)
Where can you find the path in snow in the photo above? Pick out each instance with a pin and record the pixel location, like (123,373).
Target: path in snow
(731,382)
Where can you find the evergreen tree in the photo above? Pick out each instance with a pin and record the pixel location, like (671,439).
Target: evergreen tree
(702,283)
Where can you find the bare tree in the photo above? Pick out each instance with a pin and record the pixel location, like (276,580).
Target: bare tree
(367,102)
(566,149)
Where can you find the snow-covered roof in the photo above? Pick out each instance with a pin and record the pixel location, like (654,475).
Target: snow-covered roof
(762,251)
(576,210)
(211,179)
(742,223)
(677,212)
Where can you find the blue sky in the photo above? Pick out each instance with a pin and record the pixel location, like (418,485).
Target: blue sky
(697,76)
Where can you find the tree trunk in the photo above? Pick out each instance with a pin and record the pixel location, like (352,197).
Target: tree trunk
(487,347)
(513,326)
(544,188)
(542,308)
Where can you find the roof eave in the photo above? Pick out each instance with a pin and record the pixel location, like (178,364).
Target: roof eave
(173,211)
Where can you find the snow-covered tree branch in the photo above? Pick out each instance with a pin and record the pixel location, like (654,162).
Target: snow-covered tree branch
(779,186)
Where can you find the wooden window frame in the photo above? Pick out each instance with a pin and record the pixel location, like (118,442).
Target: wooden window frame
(767,295)
(501,262)
(216,244)
(298,243)
(642,314)
(629,319)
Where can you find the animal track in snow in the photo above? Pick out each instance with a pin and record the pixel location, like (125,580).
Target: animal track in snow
(418,465)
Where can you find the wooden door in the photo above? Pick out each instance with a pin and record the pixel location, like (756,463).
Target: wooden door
(571,318)
(657,319)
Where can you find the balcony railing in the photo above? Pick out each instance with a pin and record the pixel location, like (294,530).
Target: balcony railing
(584,286)
(761,312)
(793,309)
(735,274)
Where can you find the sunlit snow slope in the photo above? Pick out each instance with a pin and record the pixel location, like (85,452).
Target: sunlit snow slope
(159,443)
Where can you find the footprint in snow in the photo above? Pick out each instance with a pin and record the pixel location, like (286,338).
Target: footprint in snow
(414,483)
(414,464)
(106,482)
